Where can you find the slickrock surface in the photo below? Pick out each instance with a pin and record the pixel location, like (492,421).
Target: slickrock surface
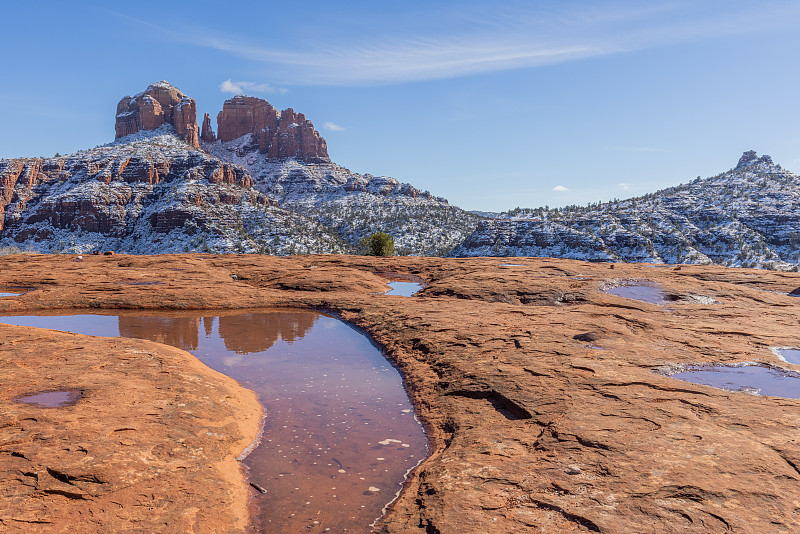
(537,388)
(151,443)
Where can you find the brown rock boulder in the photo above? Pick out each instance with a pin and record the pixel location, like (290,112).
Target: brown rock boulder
(161,103)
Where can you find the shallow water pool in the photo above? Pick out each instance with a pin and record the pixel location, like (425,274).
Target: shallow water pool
(754,379)
(403,289)
(340,433)
(789,355)
(51,399)
(639,291)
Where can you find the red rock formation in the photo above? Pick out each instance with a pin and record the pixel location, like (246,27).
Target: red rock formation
(161,103)
(284,135)
(185,121)
(227,173)
(207,134)
(23,174)
(279,135)
(242,115)
(25,201)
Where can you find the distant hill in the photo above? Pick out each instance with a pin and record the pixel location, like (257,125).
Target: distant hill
(748,216)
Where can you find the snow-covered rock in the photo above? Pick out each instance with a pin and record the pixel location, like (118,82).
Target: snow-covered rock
(147,193)
(748,216)
(353,205)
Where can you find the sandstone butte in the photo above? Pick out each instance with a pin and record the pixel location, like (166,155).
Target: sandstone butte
(284,134)
(532,428)
(161,103)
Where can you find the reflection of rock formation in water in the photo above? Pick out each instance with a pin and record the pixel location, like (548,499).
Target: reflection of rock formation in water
(181,332)
(256,332)
(243,334)
(208,324)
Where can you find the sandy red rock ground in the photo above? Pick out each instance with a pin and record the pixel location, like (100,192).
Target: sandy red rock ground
(532,430)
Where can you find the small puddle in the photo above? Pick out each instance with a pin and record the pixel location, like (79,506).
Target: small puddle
(511,265)
(403,289)
(140,283)
(340,434)
(639,290)
(787,354)
(402,285)
(51,399)
(750,378)
(14,291)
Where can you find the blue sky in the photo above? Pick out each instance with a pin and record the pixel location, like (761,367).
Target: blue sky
(492,105)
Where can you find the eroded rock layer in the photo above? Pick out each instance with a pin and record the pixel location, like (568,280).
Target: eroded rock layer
(539,390)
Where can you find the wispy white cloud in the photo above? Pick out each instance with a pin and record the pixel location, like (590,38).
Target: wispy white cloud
(332,126)
(241,87)
(560,188)
(446,43)
(624,186)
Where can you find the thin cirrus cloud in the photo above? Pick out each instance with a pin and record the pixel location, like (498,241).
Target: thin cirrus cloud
(241,87)
(472,40)
(332,127)
(560,188)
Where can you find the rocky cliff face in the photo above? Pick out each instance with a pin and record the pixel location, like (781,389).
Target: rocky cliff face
(161,103)
(279,135)
(748,216)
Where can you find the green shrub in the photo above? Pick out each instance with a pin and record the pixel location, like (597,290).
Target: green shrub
(378,244)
